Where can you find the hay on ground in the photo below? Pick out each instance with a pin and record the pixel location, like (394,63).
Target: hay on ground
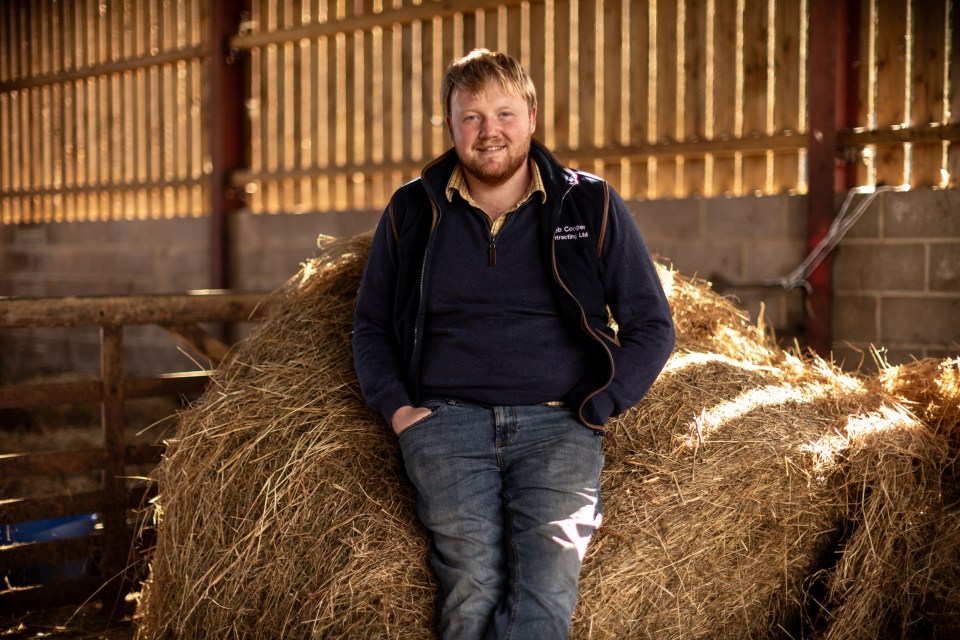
(750,494)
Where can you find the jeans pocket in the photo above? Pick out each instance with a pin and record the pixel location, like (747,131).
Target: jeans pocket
(435,409)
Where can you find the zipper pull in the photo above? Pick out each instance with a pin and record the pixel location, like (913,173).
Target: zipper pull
(492,252)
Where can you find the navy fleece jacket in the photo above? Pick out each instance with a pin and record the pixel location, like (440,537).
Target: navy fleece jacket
(597,266)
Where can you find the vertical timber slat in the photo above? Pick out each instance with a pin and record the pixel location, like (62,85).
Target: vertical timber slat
(787,74)
(639,83)
(561,75)
(755,33)
(848,91)
(927,80)
(538,59)
(588,110)
(610,49)
(891,65)
(723,115)
(668,112)
(694,107)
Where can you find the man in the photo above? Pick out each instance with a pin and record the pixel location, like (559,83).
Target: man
(508,308)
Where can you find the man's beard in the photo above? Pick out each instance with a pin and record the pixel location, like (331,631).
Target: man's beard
(496,175)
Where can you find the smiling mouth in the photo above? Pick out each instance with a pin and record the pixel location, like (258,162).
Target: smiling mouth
(492,149)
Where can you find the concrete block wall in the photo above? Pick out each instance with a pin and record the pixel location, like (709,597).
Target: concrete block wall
(154,256)
(104,258)
(736,243)
(740,245)
(98,258)
(269,249)
(896,274)
(897,279)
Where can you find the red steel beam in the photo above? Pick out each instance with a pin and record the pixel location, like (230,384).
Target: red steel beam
(228,130)
(832,106)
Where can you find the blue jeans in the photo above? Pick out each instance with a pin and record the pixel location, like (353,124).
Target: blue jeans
(511,496)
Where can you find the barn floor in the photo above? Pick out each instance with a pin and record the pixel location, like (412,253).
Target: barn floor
(86,623)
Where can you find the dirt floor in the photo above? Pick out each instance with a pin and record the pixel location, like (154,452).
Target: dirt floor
(87,622)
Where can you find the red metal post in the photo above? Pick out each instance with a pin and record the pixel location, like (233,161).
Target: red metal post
(227,125)
(832,105)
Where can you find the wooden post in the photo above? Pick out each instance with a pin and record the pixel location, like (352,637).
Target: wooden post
(113,517)
(831,80)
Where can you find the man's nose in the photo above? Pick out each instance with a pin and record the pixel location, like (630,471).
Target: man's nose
(488,128)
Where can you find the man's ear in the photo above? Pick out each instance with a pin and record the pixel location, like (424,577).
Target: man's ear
(449,126)
(533,119)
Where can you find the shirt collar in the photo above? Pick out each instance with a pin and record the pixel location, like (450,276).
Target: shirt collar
(458,184)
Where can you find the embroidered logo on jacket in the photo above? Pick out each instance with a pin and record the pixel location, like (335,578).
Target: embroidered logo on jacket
(573,232)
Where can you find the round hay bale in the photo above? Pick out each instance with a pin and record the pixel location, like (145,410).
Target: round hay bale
(746,496)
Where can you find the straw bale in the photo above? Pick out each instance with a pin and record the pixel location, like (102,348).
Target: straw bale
(752,493)
(905,542)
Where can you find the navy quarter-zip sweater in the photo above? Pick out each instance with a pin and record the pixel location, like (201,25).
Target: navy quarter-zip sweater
(594,262)
(492,332)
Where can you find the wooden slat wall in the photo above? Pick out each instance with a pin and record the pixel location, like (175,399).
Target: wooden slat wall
(637,75)
(610,73)
(102,105)
(911,78)
(100,110)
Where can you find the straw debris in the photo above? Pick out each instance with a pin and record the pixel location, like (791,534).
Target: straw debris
(752,493)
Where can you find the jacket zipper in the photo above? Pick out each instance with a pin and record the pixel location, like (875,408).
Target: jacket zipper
(436,213)
(586,325)
(418,326)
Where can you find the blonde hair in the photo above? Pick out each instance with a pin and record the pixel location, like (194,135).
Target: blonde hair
(474,71)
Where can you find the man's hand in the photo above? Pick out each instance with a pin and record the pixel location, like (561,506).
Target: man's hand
(406,416)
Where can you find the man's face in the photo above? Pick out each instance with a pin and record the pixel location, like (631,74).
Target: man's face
(491,132)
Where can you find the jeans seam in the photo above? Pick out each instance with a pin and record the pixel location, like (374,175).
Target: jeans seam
(508,634)
(508,532)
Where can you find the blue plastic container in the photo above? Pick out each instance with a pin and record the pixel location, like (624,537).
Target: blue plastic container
(44,531)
